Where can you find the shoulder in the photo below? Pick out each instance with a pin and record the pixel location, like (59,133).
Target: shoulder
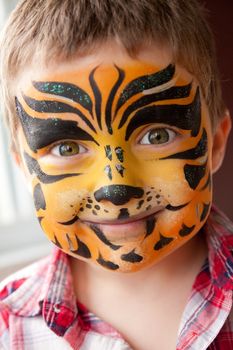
(10,284)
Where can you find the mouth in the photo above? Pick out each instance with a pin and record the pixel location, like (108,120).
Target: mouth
(130,229)
(129,220)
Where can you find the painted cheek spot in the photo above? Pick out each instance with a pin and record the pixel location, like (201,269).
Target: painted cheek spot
(140,203)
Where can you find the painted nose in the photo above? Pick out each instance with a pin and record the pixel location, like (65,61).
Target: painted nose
(118,194)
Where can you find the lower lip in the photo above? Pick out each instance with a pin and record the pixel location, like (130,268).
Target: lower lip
(125,232)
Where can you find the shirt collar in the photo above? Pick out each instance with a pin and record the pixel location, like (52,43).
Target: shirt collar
(219,236)
(48,291)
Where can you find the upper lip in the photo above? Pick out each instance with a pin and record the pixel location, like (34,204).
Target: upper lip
(128,220)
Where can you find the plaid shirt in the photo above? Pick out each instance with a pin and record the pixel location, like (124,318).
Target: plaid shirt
(38,308)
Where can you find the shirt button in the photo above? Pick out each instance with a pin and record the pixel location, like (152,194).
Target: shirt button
(56,309)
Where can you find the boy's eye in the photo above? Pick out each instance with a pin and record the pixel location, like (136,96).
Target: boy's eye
(158,136)
(67,149)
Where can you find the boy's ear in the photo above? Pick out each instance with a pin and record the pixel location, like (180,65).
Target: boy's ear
(220,141)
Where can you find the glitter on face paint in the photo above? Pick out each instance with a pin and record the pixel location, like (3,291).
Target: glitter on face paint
(119,153)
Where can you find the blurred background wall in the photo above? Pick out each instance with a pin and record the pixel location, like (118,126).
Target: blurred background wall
(221,17)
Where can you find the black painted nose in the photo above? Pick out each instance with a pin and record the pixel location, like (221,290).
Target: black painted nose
(118,194)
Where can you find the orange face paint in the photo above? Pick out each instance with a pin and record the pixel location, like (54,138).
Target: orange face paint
(119,161)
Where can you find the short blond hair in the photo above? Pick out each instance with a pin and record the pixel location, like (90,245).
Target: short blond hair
(46,29)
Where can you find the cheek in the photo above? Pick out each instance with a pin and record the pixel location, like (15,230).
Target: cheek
(169,178)
(59,201)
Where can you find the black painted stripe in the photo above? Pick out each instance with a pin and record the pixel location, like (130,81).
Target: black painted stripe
(55,107)
(108,152)
(120,169)
(108,171)
(132,257)
(102,237)
(145,82)
(175,208)
(40,133)
(187,117)
(207,184)
(98,97)
(67,90)
(39,198)
(174,92)
(124,213)
(108,111)
(204,211)
(108,264)
(185,230)
(120,154)
(193,153)
(194,174)
(34,167)
(150,226)
(82,250)
(163,242)
(57,242)
(70,222)
(40,218)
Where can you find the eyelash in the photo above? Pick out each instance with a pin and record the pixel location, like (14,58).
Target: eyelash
(171,133)
(59,144)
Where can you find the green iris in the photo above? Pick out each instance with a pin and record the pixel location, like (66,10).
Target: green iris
(69,148)
(158,136)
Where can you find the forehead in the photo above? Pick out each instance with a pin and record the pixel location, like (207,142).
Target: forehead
(76,70)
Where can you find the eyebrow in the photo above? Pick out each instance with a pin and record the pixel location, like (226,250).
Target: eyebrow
(40,133)
(47,106)
(67,90)
(187,117)
(175,92)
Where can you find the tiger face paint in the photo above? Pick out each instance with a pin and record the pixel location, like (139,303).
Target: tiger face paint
(119,160)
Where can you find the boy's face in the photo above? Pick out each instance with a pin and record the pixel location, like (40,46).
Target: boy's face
(118,153)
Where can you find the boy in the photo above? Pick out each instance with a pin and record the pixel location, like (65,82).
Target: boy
(117,121)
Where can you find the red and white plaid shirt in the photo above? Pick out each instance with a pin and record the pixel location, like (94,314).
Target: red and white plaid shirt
(38,308)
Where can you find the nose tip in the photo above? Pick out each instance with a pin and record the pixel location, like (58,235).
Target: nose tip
(118,194)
